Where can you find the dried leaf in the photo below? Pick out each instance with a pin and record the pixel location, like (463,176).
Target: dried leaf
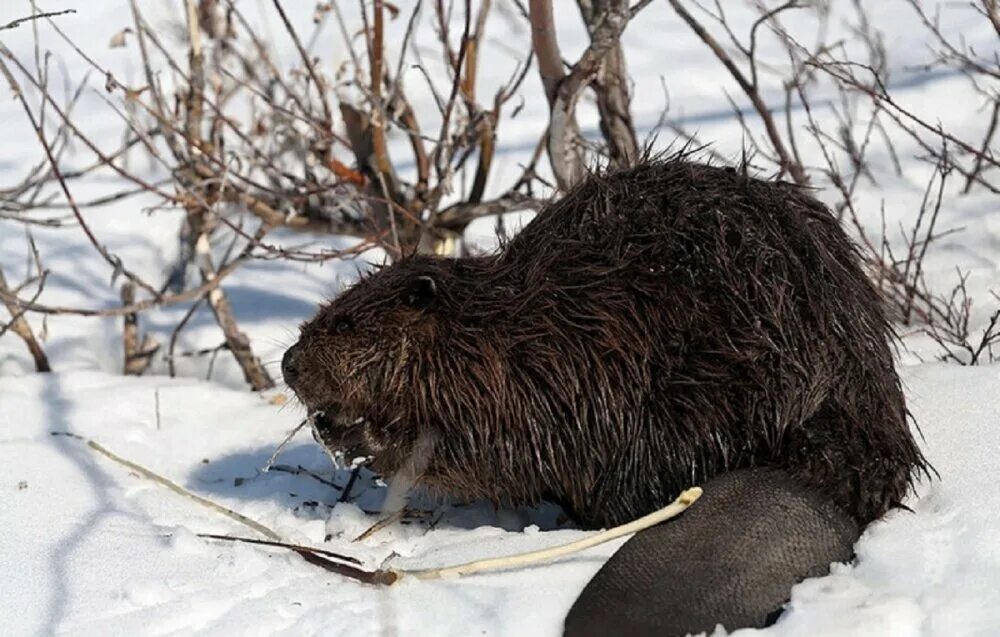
(118,39)
(346,173)
(321,9)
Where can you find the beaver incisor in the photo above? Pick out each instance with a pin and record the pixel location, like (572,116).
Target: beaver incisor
(650,330)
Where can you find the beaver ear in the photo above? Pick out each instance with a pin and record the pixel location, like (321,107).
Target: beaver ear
(421,292)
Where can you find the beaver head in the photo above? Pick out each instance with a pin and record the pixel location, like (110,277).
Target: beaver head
(365,364)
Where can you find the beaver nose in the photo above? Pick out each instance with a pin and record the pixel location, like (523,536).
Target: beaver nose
(289,365)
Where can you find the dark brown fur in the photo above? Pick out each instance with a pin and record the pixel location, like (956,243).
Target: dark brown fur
(652,329)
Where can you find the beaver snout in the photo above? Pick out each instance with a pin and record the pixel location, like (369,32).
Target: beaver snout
(305,376)
(290,365)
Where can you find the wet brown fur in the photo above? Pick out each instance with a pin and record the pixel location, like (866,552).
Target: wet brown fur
(651,329)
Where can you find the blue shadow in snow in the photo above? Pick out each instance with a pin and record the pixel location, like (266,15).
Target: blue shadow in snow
(239,476)
(59,410)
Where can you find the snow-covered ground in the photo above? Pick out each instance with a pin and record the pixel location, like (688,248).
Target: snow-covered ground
(89,548)
(86,547)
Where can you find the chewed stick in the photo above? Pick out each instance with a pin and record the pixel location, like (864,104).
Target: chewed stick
(675,508)
(176,488)
(284,443)
(389,576)
(298,548)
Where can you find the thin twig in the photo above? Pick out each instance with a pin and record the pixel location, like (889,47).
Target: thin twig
(173,486)
(19,325)
(750,89)
(13,24)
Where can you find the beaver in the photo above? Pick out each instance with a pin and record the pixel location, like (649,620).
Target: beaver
(660,326)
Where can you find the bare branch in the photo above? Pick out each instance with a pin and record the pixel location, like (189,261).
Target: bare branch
(13,24)
(750,89)
(139,350)
(20,326)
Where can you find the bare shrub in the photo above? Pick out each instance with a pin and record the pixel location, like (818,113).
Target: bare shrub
(251,146)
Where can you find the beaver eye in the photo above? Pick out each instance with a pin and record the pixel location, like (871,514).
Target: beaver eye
(343,325)
(420,292)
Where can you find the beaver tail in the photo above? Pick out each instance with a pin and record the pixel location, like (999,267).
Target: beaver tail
(731,559)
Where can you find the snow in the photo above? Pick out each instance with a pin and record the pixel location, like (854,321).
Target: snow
(89,548)
(110,552)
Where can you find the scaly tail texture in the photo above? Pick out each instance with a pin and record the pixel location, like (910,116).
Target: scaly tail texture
(731,559)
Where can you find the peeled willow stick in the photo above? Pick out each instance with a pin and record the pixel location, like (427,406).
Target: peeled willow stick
(391,576)
(675,508)
(176,488)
